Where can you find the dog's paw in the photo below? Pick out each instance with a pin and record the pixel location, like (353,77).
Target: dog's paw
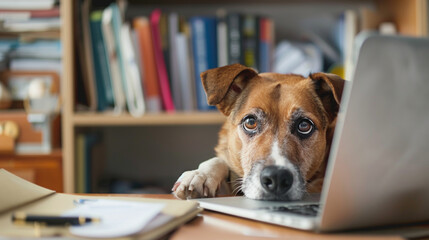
(195,184)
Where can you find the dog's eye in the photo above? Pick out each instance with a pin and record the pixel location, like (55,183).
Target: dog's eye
(250,124)
(305,126)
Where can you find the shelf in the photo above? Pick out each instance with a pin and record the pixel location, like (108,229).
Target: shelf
(55,153)
(180,118)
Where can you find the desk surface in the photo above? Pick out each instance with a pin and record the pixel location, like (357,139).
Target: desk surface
(212,225)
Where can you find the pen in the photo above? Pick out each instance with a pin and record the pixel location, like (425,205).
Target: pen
(22,218)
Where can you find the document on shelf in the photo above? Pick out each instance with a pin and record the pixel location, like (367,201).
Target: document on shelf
(117,218)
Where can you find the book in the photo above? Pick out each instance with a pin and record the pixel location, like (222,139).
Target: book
(205,54)
(82,93)
(165,43)
(173,28)
(28,14)
(113,61)
(234,35)
(164,83)
(19,195)
(152,92)
(102,75)
(28,25)
(137,56)
(134,91)
(265,44)
(250,41)
(27,4)
(41,49)
(131,87)
(88,64)
(36,65)
(222,39)
(185,72)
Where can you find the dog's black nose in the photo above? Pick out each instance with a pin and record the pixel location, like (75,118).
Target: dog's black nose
(276,180)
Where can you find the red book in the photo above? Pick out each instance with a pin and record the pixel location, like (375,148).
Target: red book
(164,84)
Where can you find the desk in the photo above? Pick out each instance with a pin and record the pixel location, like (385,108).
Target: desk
(212,225)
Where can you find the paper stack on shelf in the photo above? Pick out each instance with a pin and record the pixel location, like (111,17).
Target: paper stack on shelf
(29,16)
(42,55)
(30,33)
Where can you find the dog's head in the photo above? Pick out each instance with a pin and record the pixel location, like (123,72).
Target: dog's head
(278,130)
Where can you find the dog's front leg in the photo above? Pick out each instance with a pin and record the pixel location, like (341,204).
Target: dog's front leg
(202,182)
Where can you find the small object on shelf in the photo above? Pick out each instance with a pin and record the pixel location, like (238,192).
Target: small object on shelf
(9,132)
(5,97)
(42,106)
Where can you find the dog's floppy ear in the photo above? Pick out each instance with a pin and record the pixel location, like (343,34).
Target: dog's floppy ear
(329,88)
(224,84)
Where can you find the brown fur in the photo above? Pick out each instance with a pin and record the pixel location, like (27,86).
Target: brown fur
(318,96)
(276,103)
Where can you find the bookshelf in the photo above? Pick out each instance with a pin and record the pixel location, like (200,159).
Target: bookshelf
(407,15)
(33,152)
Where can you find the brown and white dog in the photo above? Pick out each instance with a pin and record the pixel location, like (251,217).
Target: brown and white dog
(277,135)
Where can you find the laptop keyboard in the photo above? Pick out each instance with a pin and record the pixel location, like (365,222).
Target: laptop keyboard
(307,210)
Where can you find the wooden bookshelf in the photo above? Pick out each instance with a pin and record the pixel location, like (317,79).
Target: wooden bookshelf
(411,23)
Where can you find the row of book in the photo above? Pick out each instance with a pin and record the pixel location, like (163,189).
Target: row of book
(152,63)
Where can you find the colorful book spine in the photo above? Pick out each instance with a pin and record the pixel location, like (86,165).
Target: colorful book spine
(211,41)
(250,41)
(102,75)
(265,45)
(173,31)
(167,99)
(113,61)
(136,104)
(116,27)
(222,40)
(205,54)
(88,58)
(234,38)
(151,87)
(185,74)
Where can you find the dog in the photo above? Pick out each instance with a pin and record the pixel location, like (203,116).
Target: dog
(276,138)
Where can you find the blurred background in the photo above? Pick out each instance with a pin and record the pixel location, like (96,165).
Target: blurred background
(105,96)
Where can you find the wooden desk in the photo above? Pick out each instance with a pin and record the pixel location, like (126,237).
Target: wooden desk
(212,225)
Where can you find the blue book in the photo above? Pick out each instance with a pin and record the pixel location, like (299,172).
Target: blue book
(204,46)
(101,64)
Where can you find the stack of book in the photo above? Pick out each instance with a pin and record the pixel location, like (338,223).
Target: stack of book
(29,32)
(153,63)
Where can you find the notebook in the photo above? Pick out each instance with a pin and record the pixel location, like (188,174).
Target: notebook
(18,195)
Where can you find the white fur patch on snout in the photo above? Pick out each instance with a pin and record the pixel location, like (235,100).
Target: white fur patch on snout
(295,191)
(252,187)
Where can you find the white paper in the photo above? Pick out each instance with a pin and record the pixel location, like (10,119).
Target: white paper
(118,218)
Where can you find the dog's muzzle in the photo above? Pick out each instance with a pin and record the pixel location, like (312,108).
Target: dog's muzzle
(276,180)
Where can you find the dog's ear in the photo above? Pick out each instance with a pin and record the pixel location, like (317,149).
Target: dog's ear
(329,88)
(224,84)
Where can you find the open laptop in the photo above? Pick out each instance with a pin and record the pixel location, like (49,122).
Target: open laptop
(378,171)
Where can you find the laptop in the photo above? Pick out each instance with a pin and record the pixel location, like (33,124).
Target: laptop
(378,171)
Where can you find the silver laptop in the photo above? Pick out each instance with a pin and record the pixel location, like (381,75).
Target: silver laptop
(378,171)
